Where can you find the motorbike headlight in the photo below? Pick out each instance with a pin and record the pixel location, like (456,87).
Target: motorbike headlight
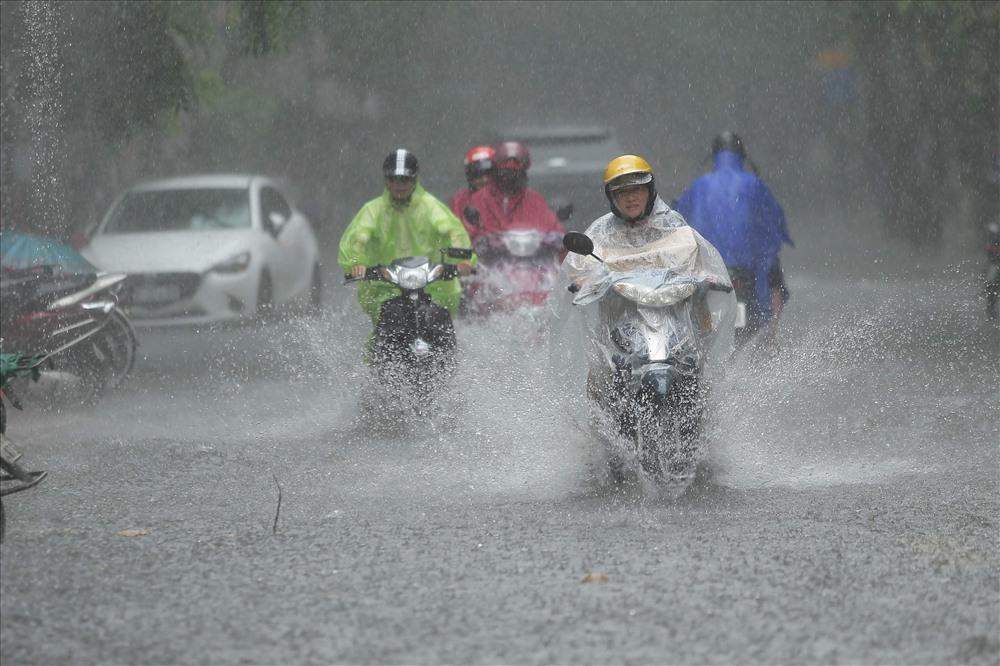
(412,278)
(235,264)
(523,243)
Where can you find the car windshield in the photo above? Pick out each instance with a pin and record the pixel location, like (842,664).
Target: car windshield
(563,149)
(562,138)
(181,210)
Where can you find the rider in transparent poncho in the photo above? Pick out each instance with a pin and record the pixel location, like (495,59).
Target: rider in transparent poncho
(656,268)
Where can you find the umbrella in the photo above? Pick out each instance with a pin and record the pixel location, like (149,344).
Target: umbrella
(19,251)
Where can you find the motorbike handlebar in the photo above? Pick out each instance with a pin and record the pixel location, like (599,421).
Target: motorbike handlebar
(712,286)
(457,252)
(371,273)
(375,273)
(451,271)
(715,286)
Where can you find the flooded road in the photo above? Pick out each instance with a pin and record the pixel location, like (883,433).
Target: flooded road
(849,513)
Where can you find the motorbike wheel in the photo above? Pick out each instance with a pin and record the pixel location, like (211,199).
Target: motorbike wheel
(615,469)
(118,346)
(104,361)
(742,336)
(657,440)
(668,434)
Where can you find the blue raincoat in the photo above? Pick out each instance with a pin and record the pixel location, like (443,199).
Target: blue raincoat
(735,212)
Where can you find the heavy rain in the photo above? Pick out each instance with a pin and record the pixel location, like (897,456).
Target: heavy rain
(234,474)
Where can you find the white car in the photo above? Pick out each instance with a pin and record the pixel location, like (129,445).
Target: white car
(204,249)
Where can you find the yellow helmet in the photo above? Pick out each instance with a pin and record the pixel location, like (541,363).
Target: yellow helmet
(629,171)
(624,165)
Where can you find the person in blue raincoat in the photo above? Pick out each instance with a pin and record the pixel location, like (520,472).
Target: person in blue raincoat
(736,212)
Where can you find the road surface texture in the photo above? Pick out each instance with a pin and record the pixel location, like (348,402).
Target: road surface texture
(847,513)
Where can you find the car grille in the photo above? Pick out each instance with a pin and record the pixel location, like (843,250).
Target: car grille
(158,289)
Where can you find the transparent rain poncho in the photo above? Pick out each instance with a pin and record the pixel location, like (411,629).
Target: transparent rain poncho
(661,272)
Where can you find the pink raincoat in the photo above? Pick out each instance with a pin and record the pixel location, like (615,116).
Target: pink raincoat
(500,212)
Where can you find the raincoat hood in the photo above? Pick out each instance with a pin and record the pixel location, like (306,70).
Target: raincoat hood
(727,159)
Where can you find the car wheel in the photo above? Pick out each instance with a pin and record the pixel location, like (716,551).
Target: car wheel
(316,292)
(265,295)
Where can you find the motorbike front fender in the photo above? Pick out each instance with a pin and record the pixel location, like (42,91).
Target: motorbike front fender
(656,383)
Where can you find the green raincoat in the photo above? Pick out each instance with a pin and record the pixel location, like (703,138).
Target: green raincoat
(384,230)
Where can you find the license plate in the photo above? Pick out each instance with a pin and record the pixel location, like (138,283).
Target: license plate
(163,293)
(741,315)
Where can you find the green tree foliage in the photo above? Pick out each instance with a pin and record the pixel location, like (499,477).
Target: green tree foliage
(120,70)
(266,26)
(932,72)
(129,62)
(130,65)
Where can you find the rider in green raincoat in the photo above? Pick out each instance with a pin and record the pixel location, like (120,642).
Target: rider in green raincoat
(405,221)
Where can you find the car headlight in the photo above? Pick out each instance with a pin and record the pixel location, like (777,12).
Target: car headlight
(235,264)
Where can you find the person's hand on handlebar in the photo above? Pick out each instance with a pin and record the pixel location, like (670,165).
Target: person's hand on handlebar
(464,267)
(358,271)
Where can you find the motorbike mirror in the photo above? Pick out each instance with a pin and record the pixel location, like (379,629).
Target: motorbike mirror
(471,215)
(578,243)
(565,212)
(457,252)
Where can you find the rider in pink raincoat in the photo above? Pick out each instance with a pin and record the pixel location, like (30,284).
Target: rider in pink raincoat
(507,202)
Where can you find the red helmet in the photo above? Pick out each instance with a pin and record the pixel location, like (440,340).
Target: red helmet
(478,162)
(478,155)
(512,155)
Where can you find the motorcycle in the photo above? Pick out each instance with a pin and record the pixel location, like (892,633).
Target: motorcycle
(655,332)
(413,347)
(13,477)
(518,268)
(743,287)
(66,333)
(991,281)
(47,309)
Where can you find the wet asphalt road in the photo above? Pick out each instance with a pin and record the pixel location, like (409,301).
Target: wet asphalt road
(848,513)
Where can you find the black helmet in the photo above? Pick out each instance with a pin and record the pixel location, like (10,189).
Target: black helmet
(400,163)
(728,141)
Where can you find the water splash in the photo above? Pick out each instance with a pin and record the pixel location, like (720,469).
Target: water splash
(44,69)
